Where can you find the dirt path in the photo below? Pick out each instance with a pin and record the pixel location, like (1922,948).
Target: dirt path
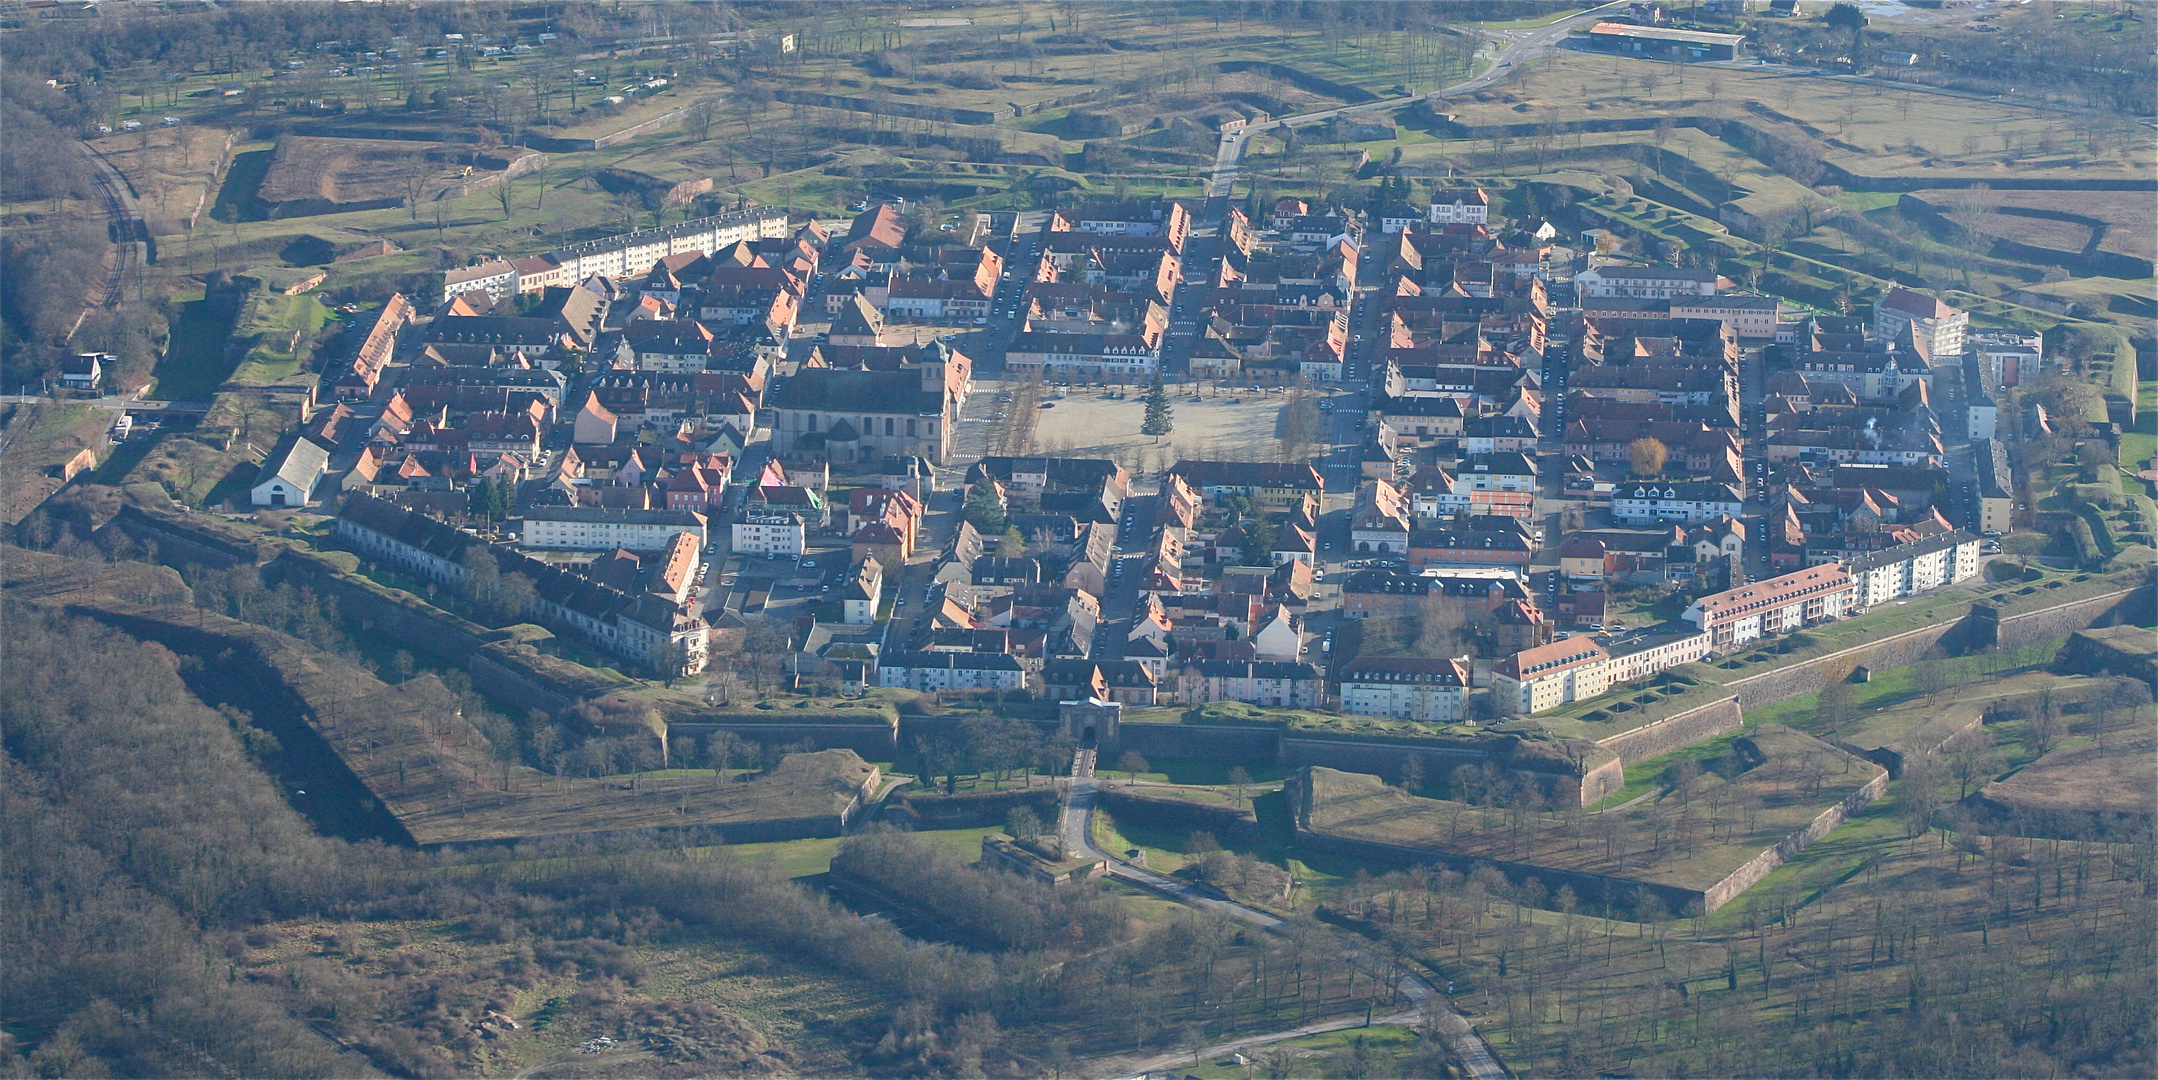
(1076,826)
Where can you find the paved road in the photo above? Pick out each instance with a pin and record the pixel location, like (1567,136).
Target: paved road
(1076,827)
(1516,46)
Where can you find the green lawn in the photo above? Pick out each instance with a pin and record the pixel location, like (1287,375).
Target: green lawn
(1382,1050)
(283,329)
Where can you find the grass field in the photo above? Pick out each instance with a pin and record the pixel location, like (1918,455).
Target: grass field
(1381,1050)
(1818,960)
(174,171)
(1690,838)
(35,440)
(282,332)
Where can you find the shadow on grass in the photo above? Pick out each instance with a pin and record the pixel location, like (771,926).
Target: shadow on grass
(236,196)
(195,364)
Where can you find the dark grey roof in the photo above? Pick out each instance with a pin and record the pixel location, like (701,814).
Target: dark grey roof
(860,392)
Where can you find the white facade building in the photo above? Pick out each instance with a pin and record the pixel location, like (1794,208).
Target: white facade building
(927,671)
(1428,690)
(1471,207)
(1645,282)
(1910,569)
(1548,676)
(1638,658)
(594,528)
(770,532)
(1778,605)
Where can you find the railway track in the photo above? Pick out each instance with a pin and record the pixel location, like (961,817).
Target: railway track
(124,227)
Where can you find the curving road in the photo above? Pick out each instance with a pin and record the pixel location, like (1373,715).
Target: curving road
(1076,826)
(1515,46)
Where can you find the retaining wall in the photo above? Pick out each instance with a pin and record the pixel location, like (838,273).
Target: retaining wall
(1135,805)
(894,108)
(1675,732)
(553,145)
(178,543)
(2050,623)
(874,742)
(973,809)
(1385,759)
(1760,866)
(1597,888)
(514,686)
(1199,742)
(1809,676)
(421,626)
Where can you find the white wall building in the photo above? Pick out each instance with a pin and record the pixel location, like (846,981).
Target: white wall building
(1638,658)
(596,528)
(1645,282)
(1471,207)
(770,532)
(951,671)
(1910,569)
(1777,605)
(1938,327)
(1425,689)
(1548,676)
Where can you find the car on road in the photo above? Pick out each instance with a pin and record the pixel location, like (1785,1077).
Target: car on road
(1045,405)
(1326,406)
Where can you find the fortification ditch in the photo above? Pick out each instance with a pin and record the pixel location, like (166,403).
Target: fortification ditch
(1676,732)
(1153,809)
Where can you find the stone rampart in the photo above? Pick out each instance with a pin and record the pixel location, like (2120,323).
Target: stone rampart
(888,107)
(1136,805)
(180,541)
(1386,759)
(1809,676)
(875,742)
(2047,624)
(1760,866)
(1198,742)
(1596,888)
(1675,732)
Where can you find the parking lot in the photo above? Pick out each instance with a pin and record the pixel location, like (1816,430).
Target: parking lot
(1239,425)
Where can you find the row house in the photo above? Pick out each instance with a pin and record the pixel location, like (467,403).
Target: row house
(1274,485)
(939,671)
(1781,604)
(1448,548)
(1639,656)
(1273,683)
(1692,502)
(1548,676)
(1124,681)
(1165,218)
(1647,282)
(1124,357)
(1866,444)
(649,630)
(1431,690)
(1386,592)
(1912,568)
